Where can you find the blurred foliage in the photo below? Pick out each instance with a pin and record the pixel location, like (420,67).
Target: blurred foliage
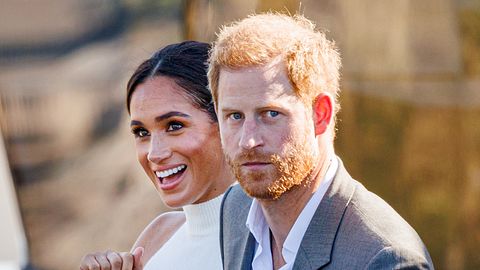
(142,9)
(422,160)
(470,31)
(289,6)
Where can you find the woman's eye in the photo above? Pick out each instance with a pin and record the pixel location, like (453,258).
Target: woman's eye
(140,132)
(272,113)
(235,116)
(173,126)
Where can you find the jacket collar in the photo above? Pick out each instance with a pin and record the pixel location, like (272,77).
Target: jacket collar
(317,243)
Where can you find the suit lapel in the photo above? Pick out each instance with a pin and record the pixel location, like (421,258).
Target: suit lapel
(317,243)
(248,252)
(241,245)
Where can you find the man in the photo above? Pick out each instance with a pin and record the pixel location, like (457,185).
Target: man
(275,81)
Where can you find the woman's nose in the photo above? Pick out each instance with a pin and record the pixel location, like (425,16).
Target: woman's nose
(158,152)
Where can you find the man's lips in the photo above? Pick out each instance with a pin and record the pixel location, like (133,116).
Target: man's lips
(255,164)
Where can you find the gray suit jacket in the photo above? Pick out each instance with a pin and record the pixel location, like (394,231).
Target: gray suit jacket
(352,228)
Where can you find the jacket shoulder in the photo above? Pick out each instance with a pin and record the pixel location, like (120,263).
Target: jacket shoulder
(235,195)
(399,258)
(235,207)
(375,234)
(234,234)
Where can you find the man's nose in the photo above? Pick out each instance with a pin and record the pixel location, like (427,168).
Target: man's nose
(158,151)
(250,137)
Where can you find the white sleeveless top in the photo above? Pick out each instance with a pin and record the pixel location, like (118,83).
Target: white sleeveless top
(195,245)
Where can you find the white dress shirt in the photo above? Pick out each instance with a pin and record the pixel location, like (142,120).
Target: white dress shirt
(260,230)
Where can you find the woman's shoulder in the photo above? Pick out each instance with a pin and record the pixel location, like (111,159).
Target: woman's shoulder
(157,233)
(165,221)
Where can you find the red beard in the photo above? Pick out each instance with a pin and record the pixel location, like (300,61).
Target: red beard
(284,173)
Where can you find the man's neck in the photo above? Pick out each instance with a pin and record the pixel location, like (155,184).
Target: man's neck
(282,213)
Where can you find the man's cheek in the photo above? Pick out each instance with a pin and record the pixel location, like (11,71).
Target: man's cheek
(228,142)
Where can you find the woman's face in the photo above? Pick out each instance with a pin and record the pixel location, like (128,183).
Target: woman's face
(177,144)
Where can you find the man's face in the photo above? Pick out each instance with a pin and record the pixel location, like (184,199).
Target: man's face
(267,132)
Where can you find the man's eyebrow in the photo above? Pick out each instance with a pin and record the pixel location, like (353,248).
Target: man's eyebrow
(226,109)
(170,114)
(259,107)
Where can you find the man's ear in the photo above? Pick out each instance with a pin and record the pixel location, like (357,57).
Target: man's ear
(322,113)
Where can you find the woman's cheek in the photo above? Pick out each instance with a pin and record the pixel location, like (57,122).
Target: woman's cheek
(198,143)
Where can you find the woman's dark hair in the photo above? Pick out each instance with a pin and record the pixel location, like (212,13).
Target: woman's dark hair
(186,64)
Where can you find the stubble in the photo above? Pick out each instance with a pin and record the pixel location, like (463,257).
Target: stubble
(290,169)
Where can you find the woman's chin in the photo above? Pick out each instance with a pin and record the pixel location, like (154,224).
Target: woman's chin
(174,203)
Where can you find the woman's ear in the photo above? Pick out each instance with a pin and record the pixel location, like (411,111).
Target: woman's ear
(322,113)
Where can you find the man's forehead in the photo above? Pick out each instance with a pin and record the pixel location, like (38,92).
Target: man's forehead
(269,71)
(270,81)
(268,92)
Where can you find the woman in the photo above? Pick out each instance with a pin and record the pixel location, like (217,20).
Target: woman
(178,145)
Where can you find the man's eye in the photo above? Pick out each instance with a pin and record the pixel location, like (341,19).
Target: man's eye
(272,113)
(140,132)
(235,116)
(173,126)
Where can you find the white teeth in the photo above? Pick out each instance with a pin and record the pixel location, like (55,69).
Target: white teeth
(169,172)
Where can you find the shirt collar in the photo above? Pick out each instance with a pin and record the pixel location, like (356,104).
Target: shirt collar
(256,221)
(295,236)
(258,226)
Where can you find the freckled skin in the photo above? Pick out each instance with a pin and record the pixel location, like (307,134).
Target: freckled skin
(193,141)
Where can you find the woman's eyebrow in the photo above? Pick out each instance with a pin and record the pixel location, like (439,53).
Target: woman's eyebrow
(170,114)
(136,123)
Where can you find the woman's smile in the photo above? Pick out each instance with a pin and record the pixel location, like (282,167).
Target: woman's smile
(171,178)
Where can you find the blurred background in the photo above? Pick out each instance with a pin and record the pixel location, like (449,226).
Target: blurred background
(409,128)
